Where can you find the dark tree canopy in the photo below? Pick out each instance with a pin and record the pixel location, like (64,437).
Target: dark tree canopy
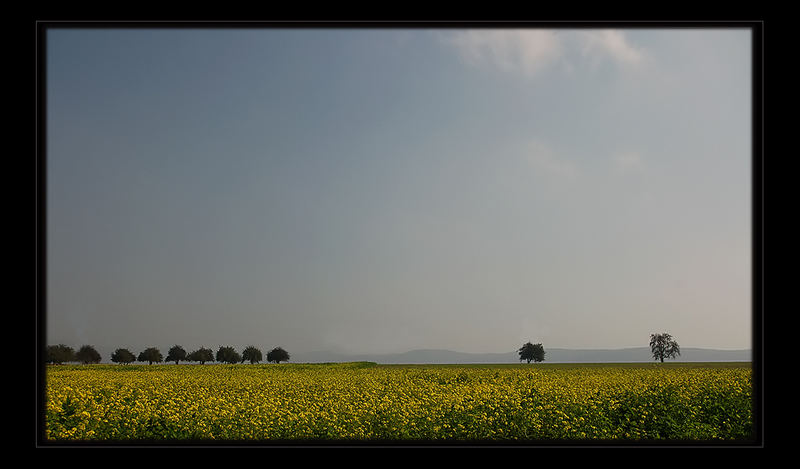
(531,351)
(663,346)
(228,355)
(201,355)
(151,355)
(88,354)
(59,354)
(277,355)
(176,354)
(251,354)
(123,355)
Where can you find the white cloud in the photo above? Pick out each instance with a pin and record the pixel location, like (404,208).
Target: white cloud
(598,44)
(531,51)
(525,50)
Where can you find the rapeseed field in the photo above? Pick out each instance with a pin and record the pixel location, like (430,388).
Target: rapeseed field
(362,402)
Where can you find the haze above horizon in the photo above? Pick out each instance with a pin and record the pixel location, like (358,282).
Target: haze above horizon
(385,190)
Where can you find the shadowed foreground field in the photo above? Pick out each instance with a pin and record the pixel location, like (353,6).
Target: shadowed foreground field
(365,402)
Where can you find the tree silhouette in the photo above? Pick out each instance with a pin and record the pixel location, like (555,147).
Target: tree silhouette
(663,346)
(150,355)
(531,351)
(87,354)
(58,354)
(123,355)
(201,355)
(251,354)
(277,355)
(176,354)
(228,355)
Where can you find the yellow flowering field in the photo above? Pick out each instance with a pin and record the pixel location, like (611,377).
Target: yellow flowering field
(368,402)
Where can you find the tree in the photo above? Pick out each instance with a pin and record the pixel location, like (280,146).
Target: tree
(531,351)
(251,354)
(228,355)
(123,355)
(277,355)
(176,354)
(58,354)
(663,346)
(87,354)
(201,355)
(151,355)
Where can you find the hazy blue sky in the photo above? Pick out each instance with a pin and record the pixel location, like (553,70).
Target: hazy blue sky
(380,190)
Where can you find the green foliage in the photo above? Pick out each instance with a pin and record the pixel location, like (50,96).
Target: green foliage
(123,355)
(151,355)
(201,355)
(87,354)
(251,354)
(58,354)
(176,354)
(531,351)
(277,355)
(228,355)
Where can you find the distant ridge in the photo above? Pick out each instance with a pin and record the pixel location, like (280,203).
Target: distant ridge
(554,355)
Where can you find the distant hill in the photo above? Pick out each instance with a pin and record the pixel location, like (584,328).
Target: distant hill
(555,355)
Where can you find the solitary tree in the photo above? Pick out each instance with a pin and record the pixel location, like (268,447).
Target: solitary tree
(123,355)
(150,355)
(663,346)
(531,351)
(277,355)
(251,354)
(228,355)
(87,354)
(175,354)
(59,354)
(201,355)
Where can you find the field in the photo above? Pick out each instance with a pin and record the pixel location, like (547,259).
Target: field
(364,402)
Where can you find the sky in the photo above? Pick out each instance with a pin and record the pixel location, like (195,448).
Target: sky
(382,190)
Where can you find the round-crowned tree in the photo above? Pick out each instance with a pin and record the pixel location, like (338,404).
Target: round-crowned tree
(663,346)
(201,355)
(228,355)
(251,354)
(531,351)
(277,355)
(176,354)
(87,354)
(151,355)
(59,354)
(123,355)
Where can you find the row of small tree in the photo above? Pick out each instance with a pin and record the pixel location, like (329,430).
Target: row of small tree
(58,354)
(661,345)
